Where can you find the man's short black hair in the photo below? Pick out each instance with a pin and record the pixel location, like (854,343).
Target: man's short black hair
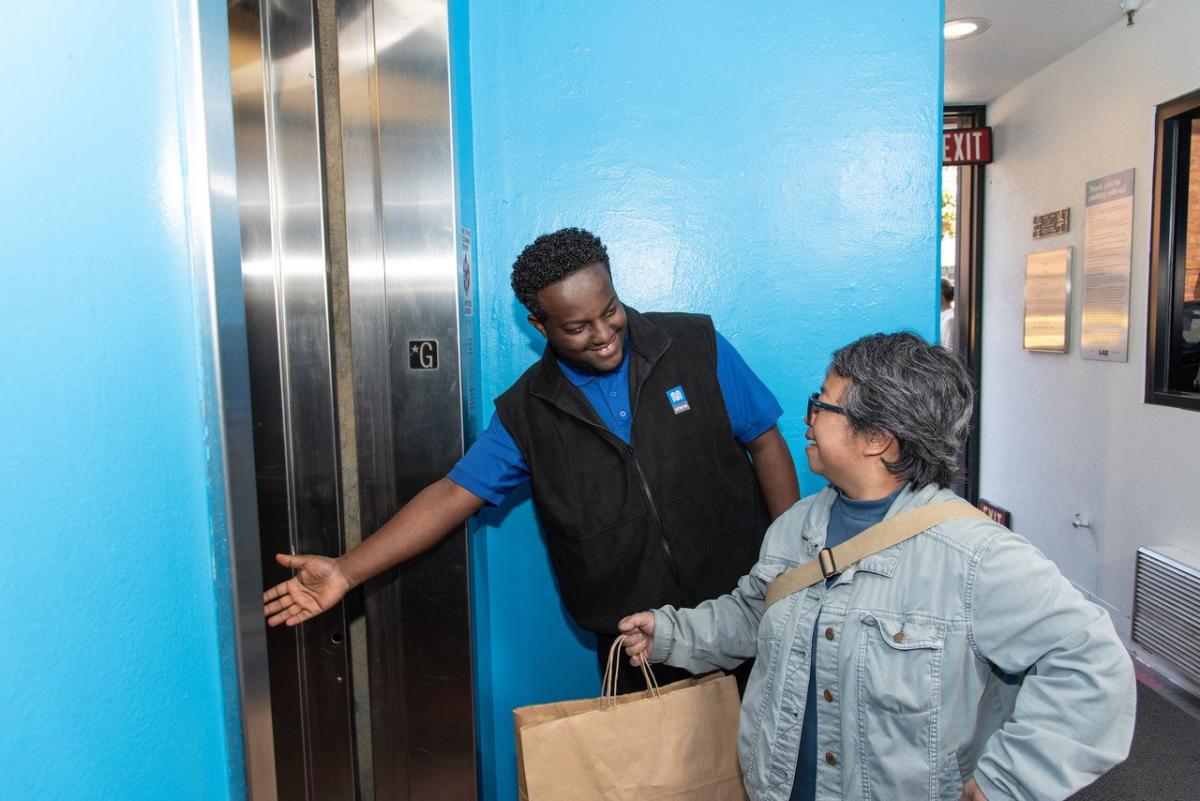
(550,259)
(947,290)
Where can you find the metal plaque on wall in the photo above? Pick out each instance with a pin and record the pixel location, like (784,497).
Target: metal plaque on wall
(1055,222)
(1107,260)
(1047,300)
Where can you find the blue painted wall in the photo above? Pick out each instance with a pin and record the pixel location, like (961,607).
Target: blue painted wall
(110,684)
(774,165)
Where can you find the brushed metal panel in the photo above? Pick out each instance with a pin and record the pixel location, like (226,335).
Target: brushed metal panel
(214,241)
(401,235)
(288,333)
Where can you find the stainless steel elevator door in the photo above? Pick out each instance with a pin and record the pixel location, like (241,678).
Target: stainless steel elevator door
(346,193)
(401,226)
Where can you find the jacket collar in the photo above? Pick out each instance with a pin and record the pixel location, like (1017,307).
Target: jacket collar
(884,562)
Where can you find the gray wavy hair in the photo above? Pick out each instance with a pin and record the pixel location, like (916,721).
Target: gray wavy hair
(920,393)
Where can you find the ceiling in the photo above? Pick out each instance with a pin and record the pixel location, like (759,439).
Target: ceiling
(1025,36)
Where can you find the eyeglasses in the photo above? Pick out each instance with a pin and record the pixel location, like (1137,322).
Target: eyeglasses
(814,403)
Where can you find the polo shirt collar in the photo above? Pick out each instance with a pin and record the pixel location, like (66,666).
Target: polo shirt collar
(581,379)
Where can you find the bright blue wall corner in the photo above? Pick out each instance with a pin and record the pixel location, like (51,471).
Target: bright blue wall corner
(478,408)
(776,169)
(937,188)
(110,669)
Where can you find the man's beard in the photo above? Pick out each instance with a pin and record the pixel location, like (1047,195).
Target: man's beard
(584,367)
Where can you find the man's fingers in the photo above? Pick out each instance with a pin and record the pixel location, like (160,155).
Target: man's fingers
(290,560)
(276,606)
(296,620)
(293,615)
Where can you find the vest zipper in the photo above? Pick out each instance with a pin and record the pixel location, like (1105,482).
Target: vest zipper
(645,485)
(662,532)
(658,524)
(668,554)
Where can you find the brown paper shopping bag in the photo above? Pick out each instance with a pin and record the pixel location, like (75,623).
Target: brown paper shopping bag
(677,742)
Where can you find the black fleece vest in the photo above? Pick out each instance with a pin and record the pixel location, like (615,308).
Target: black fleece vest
(677,516)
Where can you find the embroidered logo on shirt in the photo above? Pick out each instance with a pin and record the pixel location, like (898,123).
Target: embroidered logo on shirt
(677,399)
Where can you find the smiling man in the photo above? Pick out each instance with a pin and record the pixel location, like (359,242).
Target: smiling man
(651,449)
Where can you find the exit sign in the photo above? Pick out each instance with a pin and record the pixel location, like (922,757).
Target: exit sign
(1000,515)
(966,146)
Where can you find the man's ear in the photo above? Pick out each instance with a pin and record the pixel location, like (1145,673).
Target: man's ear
(536,323)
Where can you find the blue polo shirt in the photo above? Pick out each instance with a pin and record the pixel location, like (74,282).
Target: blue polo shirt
(494,467)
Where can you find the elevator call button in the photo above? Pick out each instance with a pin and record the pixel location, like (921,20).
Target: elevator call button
(422,354)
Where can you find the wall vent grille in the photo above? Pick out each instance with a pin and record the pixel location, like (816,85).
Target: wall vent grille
(1166,607)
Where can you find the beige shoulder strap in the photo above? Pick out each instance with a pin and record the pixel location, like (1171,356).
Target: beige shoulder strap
(882,535)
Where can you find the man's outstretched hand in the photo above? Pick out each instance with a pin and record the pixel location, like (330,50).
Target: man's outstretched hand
(317,586)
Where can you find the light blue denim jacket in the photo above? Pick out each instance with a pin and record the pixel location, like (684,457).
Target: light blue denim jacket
(908,703)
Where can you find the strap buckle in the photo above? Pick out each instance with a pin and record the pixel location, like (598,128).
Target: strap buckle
(829,568)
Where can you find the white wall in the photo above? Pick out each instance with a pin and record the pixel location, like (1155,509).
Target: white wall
(1062,435)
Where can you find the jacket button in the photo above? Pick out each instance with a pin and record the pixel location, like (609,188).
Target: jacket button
(829,633)
(828,695)
(899,636)
(830,758)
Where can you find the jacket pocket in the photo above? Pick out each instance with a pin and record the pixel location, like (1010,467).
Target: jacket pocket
(898,688)
(899,663)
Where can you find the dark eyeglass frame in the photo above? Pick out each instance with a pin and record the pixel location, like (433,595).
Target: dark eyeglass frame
(814,403)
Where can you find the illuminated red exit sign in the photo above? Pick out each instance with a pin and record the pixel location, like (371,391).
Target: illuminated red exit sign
(967,146)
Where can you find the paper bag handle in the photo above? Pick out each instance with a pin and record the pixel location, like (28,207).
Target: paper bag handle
(608,688)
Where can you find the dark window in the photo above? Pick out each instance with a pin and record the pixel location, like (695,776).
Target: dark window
(1173,341)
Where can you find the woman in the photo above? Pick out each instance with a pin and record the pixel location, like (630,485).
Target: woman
(880,680)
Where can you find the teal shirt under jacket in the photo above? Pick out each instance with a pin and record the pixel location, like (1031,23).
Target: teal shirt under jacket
(905,718)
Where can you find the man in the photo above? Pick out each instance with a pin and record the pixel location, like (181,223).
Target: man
(877,679)
(652,450)
(947,319)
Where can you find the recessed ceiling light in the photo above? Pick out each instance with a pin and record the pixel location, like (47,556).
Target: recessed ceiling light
(962,28)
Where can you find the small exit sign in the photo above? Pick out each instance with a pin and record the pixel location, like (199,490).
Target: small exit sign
(1000,515)
(966,146)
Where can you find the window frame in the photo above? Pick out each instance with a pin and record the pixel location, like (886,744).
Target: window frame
(1168,243)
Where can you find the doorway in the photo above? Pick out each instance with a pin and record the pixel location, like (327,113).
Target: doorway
(962,270)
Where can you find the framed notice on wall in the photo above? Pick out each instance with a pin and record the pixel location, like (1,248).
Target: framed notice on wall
(1047,300)
(1107,249)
